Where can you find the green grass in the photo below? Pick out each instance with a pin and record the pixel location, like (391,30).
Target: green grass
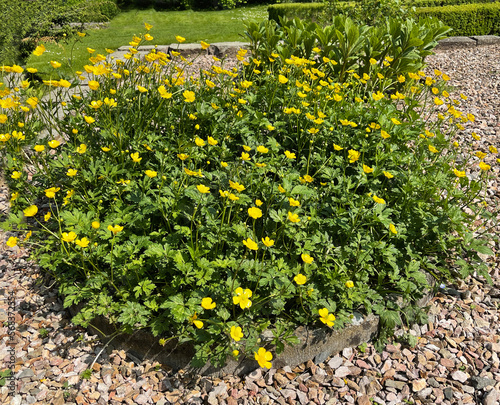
(195,26)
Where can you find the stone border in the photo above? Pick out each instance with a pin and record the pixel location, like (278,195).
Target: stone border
(468,42)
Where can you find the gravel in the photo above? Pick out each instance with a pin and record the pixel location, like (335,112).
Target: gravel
(455,361)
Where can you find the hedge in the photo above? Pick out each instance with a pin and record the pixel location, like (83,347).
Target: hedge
(308,11)
(441,3)
(467,19)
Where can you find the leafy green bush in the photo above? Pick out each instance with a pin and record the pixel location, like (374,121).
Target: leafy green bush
(212,208)
(310,11)
(441,3)
(467,19)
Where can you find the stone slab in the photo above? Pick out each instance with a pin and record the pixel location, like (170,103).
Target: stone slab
(486,39)
(457,42)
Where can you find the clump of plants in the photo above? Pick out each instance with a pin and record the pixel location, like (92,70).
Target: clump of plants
(211,208)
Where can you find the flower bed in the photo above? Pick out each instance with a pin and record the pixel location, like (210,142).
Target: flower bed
(290,191)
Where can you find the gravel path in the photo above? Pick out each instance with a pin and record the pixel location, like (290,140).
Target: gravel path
(456,359)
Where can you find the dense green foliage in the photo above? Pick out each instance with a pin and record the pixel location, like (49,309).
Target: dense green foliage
(468,19)
(318,178)
(309,11)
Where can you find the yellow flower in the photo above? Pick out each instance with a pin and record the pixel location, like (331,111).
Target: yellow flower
(51,192)
(195,321)
(12,241)
(481,155)
(353,155)
(93,85)
(105,149)
(349,284)
(367,169)
(250,244)
(204,45)
(281,189)
(254,212)
(82,148)
(325,317)
(395,121)
(300,279)
(182,156)
(433,149)
(264,358)
(207,303)
(164,93)
(16,175)
(236,186)
(306,258)
(203,189)
(54,143)
(492,149)
(69,236)
(142,89)
(151,173)
(337,147)
(388,175)
(223,164)
(393,229)
(135,157)
(293,217)
(71,172)
(290,155)
(242,298)
(438,101)
(189,96)
(384,134)
(258,203)
(115,229)
(179,39)
(39,50)
(268,242)
(378,200)
(83,243)
(377,96)
(199,142)
(232,197)
(14,196)
(55,64)
(308,178)
(212,141)
(293,203)
(148,37)
(47,216)
(89,120)
(245,156)
(96,224)
(236,333)
(282,79)
(270,128)
(484,166)
(262,149)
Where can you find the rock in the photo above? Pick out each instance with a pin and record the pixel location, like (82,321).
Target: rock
(460,376)
(418,385)
(335,362)
(342,372)
(364,400)
(480,382)
(395,384)
(448,393)
(491,397)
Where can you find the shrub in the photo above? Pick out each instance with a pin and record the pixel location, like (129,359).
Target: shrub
(212,208)
(467,19)
(309,11)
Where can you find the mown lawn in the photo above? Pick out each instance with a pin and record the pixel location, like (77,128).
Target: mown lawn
(195,26)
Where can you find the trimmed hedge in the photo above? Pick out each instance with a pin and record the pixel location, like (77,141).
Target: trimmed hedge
(467,19)
(442,3)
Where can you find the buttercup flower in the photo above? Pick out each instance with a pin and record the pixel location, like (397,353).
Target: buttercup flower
(135,157)
(51,192)
(195,321)
(290,155)
(300,279)
(293,217)
(258,203)
(207,303)
(484,166)
(16,175)
(115,229)
(83,243)
(203,189)
(337,147)
(236,186)
(39,50)
(54,143)
(69,236)
(55,64)
(262,149)
(250,244)
(388,175)
(71,172)
(306,258)
(204,45)
(189,96)
(254,212)
(47,216)
(151,173)
(378,200)
(433,149)
(93,85)
(281,189)
(353,155)
(236,333)
(12,241)
(212,141)
(30,211)
(39,148)
(349,284)
(245,156)
(268,242)
(242,298)
(179,39)
(325,317)
(200,142)
(89,120)
(264,358)
(367,169)
(384,134)
(96,224)
(458,173)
